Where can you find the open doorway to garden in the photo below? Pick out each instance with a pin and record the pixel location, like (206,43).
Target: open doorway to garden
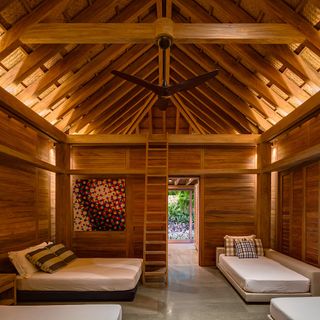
(182,209)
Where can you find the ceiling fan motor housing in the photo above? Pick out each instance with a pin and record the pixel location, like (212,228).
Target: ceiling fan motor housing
(164,42)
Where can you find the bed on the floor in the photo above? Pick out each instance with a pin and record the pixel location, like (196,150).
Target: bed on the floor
(304,308)
(62,312)
(84,279)
(269,276)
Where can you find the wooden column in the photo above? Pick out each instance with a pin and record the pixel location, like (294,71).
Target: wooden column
(263,215)
(63,196)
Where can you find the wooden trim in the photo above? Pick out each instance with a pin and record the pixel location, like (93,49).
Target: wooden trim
(304,111)
(106,139)
(309,154)
(11,104)
(19,156)
(111,171)
(208,172)
(78,33)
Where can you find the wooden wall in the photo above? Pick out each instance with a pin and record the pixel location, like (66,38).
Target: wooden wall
(116,160)
(25,191)
(299,213)
(227,201)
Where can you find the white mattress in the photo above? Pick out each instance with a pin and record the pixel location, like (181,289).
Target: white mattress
(264,275)
(304,308)
(87,274)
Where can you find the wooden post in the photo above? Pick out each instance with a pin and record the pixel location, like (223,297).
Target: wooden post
(190,215)
(263,215)
(64,226)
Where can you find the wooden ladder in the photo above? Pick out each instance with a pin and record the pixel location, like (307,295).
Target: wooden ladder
(155,247)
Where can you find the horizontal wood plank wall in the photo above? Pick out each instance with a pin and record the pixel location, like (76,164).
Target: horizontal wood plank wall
(297,140)
(229,208)
(299,213)
(229,201)
(128,243)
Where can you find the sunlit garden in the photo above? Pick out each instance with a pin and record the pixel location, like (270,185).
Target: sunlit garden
(179,215)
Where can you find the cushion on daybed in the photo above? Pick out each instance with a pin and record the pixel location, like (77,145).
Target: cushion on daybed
(62,252)
(18,258)
(245,249)
(229,243)
(295,308)
(45,260)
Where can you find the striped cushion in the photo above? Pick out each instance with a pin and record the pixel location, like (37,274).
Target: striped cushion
(62,252)
(259,247)
(45,260)
(245,249)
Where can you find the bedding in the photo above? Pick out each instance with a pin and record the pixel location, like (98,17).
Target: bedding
(295,308)
(264,275)
(87,274)
(62,312)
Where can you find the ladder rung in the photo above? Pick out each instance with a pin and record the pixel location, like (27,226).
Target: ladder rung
(154,273)
(156,212)
(155,263)
(156,232)
(155,242)
(156,175)
(156,222)
(157,166)
(155,252)
(157,148)
(157,157)
(156,184)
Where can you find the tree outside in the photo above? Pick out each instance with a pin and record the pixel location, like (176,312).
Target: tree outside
(179,216)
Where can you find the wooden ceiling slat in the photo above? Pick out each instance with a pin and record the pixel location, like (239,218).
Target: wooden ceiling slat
(38,14)
(55,72)
(117,86)
(95,90)
(83,75)
(224,92)
(284,12)
(276,77)
(4,4)
(223,111)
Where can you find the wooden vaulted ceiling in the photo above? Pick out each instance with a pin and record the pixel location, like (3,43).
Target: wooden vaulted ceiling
(71,85)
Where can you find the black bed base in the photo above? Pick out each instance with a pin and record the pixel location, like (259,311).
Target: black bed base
(34,296)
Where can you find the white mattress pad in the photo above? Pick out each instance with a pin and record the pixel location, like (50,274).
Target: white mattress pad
(62,312)
(87,274)
(304,308)
(264,275)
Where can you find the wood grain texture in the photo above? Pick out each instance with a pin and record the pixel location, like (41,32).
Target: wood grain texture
(229,208)
(299,212)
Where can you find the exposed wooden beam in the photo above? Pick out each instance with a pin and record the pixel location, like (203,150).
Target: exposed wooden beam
(284,12)
(190,180)
(81,33)
(16,107)
(309,154)
(106,139)
(38,14)
(176,181)
(304,111)
(14,155)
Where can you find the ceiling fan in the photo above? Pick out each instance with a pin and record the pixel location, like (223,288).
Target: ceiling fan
(165,91)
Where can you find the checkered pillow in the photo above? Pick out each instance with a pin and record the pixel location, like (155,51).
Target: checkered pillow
(245,249)
(229,243)
(259,247)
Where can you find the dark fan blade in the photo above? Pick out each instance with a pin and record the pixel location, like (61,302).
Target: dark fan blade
(162,103)
(148,85)
(191,83)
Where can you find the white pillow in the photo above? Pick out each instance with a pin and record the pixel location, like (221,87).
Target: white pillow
(18,258)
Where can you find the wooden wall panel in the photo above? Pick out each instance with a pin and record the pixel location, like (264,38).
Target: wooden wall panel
(185,157)
(229,208)
(299,213)
(226,157)
(298,139)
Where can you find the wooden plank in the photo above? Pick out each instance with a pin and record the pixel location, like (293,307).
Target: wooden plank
(39,13)
(304,111)
(77,33)
(25,158)
(106,139)
(16,107)
(211,172)
(309,154)
(284,12)
(111,171)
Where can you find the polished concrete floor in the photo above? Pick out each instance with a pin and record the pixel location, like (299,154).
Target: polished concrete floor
(193,293)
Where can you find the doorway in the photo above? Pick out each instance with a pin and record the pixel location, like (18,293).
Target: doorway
(183,217)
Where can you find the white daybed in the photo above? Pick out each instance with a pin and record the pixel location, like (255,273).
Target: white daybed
(274,275)
(305,308)
(62,312)
(84,279)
